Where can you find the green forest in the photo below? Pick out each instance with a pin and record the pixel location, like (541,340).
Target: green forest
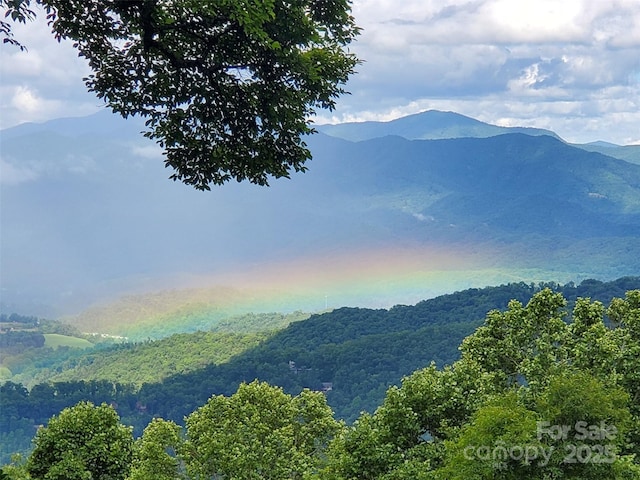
(536,381)
(466,385)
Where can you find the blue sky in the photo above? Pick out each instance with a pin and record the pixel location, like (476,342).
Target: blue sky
(572,66)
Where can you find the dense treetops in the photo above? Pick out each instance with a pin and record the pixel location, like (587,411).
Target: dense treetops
(529,383)
(536,394)
(360,352)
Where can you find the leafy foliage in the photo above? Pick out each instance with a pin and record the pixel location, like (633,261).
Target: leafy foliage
(521,445)
(349,352)
(151,452)
(83,442)
(18,11)
(227,87)
(527,371)
(537,393)
(259,432)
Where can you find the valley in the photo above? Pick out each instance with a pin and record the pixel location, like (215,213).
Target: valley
(373,265)
(90,223)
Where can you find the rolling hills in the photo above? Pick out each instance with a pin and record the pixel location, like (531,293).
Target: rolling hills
(629,153)
(389,218)
(352,354)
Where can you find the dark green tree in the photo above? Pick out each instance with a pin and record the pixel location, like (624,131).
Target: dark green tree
(227,86)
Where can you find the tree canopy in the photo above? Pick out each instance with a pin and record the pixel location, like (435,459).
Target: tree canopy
(539,392)
(83,442)
(227,87)
(534,396)
(259,432)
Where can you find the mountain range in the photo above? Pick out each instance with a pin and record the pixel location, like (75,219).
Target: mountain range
(389,212)
(429,125)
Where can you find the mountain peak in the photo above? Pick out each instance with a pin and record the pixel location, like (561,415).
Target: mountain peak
(602,143)
(427,125)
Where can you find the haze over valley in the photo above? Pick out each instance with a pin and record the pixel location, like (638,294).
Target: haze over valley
(388,213)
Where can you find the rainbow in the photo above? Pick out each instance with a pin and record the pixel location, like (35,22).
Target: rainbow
(374,278)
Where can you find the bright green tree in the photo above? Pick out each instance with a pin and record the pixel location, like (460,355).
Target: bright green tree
(576,429)
(259,432)
(485,448)
(404,438)
(155,453)
(16,470)
(227,86)
(84,442)
(621,353)
(531,363)
(524,344)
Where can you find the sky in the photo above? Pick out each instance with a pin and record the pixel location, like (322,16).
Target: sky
(571,66)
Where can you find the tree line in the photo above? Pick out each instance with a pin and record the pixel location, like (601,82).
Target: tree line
(536,394)
(360,352)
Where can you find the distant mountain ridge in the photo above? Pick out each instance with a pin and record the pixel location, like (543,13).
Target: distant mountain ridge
(428,125)
(628,153)
(88,213)
(103,122)
(436,125)
(505,182)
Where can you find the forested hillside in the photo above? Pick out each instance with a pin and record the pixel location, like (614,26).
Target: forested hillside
(360,351)
(542,389)
(32,356)
(352,354)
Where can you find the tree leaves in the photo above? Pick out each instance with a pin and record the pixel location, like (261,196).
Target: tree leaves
(533,380)
(228,87)
(530,367)
(83,442)
(259,432)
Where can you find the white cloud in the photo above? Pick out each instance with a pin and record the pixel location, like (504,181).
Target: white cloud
(538,22)
(44,82)
(13,175)
(25,65)
(25,99)
(571,65)
(147,151)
